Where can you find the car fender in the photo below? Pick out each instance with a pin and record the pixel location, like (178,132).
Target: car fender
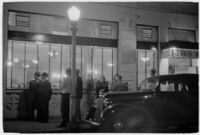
(126,109)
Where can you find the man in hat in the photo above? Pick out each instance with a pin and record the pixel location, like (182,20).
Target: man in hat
(31,96)
(65,99)
(43,97)
(79,93)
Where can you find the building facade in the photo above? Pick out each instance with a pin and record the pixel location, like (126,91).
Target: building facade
(111,39)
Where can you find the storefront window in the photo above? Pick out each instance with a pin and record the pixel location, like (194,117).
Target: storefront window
(147,60)
(97,63)
(78,58)
(114,61)
(29,57)
(65,59)
(31,61)
(55,60)
(107,64)
(87,64)
(9,64)
(43,58)
(19,64)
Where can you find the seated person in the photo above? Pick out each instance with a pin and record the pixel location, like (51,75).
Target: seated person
(101,86)
(118,85)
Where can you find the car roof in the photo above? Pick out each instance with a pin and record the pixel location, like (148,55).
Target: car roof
(191,77)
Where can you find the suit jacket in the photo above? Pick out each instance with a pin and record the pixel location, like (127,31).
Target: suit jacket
(33,88)
(79,87)
(44,90)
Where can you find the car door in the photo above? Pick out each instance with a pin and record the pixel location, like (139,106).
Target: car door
(179,106)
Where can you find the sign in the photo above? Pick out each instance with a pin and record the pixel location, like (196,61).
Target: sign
(106,29)
(22,21)
(146,33)
(184,53)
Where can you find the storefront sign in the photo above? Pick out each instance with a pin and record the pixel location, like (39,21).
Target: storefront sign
(23,21)
(146,33)
(184,53)
(106,29)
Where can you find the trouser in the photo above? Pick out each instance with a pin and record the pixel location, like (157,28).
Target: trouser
(30,108)
(78,110)
(65,99)
(43,111)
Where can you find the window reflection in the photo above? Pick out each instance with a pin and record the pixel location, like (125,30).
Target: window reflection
(87,63)
(107,64)
(31,60)
(97,63)
(78,58)
(114,61)
(147,60)
(9,64)
(55,56)
(19,64)
(43,58)
(65,59)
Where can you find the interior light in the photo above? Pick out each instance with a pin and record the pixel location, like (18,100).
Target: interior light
(56,75)
(9,63)
(26,66)
(109,64)
(144,59)
(153,49)
(64,75)
(95,72)
(39,42)
(56,53)
(35,61)
(50,53)
(16,60)
(173,48)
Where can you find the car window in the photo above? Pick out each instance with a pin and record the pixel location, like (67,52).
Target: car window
(173,86)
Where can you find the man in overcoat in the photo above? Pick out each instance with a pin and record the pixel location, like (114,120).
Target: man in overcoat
(43,96)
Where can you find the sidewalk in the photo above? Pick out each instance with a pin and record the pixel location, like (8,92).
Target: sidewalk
(20,126)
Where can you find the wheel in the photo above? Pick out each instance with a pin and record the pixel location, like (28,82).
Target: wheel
(136,121)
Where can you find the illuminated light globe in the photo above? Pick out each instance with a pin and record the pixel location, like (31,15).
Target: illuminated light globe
(9,63)
(73,13)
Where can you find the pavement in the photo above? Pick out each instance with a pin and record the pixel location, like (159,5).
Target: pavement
(22,126)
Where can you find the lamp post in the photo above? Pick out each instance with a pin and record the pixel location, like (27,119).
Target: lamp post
(74,15)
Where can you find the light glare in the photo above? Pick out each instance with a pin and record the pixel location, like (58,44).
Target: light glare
(73,13)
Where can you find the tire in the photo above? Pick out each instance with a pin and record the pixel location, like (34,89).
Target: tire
(120,122)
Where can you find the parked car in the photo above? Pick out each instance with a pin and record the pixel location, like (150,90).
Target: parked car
(165,103)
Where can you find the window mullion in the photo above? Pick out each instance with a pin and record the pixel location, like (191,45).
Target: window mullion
(25,66)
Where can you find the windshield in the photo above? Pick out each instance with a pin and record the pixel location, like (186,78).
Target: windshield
(148,84)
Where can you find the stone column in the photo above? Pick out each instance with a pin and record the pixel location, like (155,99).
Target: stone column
(127,63)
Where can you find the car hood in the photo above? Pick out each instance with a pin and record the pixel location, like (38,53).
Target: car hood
(122,97)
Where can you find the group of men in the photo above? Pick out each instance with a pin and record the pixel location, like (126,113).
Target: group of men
(118,85)
(38,96)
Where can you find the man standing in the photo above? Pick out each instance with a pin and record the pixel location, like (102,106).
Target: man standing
(31,96)
(79,93)
(65,99)
(43,97)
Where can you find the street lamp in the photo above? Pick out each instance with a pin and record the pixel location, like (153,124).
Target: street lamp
(74,15)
